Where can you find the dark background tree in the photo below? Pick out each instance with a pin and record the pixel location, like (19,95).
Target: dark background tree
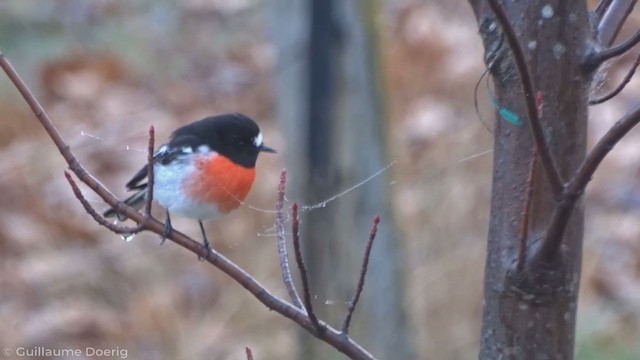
(333,104)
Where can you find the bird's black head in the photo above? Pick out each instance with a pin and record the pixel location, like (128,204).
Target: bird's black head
(234,135)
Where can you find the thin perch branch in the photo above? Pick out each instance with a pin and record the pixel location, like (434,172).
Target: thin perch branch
(331,336)
(122,230)
(363,274)
(295,229)
(282,244)
(63,147)
(546,159)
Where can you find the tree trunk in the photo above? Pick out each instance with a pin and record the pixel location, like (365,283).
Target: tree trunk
(336,127)
(536,322)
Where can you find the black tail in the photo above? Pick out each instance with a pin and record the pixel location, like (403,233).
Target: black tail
(136,201)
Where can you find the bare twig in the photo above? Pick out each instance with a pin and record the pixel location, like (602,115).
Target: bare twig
(575,187)
(601,149)
(150,173)
(295,229)
(331,336)
(122,230)
(620,87)
(63,147)
(363,274)
(248,352)
(594,59)
(524,228)
(601,9)
(612,18)
(529,96)
(282,244)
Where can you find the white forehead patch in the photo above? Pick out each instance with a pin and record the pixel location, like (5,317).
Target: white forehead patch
(257,141)
(203,149)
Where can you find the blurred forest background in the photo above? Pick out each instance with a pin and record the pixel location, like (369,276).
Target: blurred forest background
(106,70)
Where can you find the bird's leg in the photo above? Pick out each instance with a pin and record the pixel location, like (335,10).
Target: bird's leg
(206,245)
(167,228)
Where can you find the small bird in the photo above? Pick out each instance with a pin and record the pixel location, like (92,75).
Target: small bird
(205,170)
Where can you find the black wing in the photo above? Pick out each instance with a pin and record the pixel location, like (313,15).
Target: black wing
(178,146)
(133,184)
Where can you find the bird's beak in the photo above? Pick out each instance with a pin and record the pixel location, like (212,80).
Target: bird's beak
(265,148)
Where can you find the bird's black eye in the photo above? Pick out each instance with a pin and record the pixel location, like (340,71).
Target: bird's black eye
(239,142)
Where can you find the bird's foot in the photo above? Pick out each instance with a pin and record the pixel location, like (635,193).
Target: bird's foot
(207,248)
(167,229)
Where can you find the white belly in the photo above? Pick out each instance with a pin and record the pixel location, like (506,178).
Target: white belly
(168,192)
